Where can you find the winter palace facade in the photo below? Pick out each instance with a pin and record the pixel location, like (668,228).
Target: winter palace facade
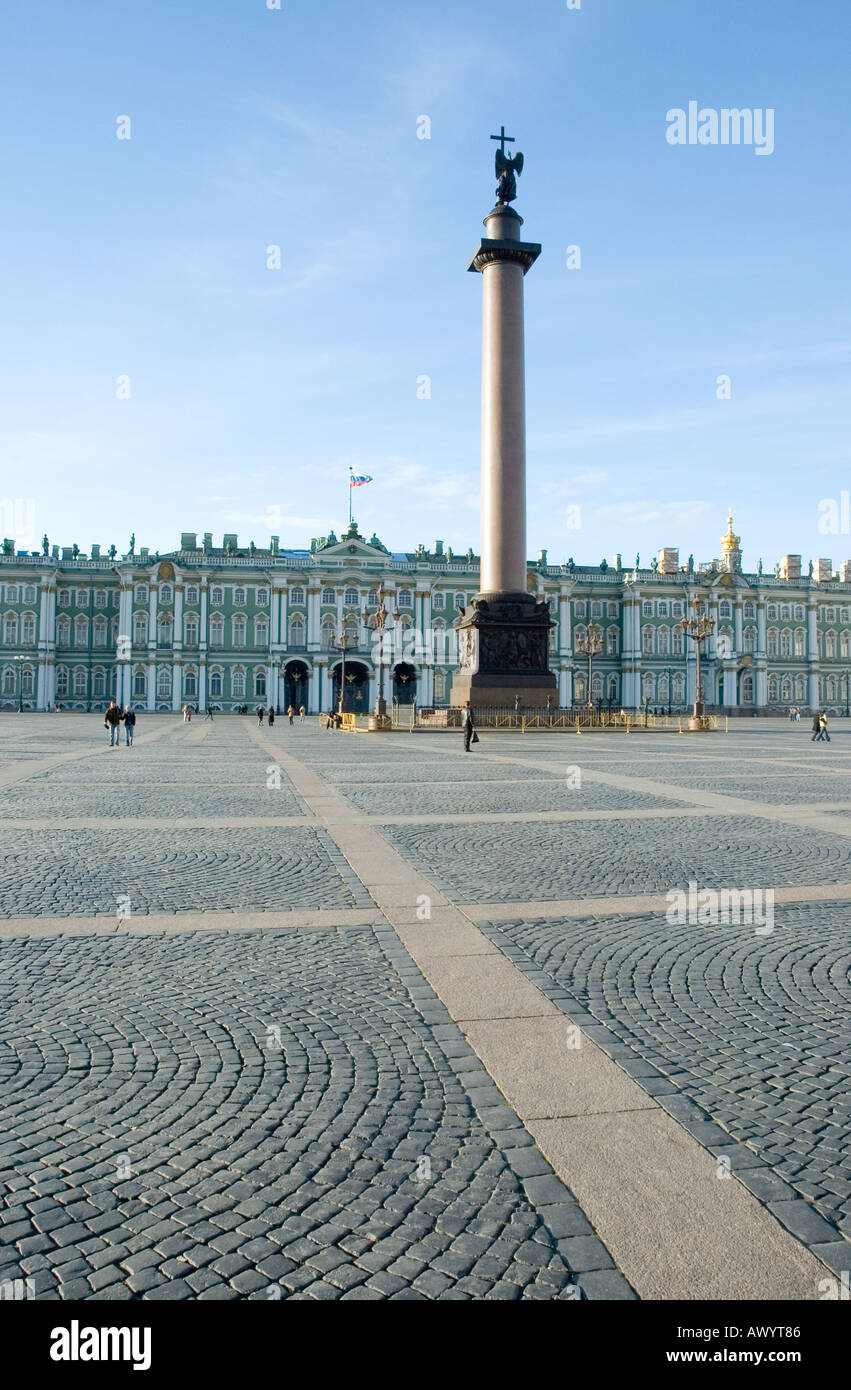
(231,625)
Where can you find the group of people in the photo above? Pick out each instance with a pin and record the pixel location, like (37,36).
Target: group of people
(820,728)
(270,714)
(114,717)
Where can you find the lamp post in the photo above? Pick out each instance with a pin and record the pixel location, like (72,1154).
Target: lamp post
(698,629)
(343,645)
(380,623)
(590,645)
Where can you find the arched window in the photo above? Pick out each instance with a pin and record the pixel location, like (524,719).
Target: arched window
(596,609)
(613,688)
(165,593)
(329,597)
(191,594)
(99,683)
(830,645)
(165,627)
(747,690)
(647,641)
(648,684)
(260,684)
(351,598)
(63,632)
(140,629)
(29,593)
(141,593)
(786,689)
(190,683)
(800,688)
(163,683)
(9,681)
(460,601)
(297,595)
(261,632)
(750,639)
(612,637)
(596,686)
(140,684)
(579,695)
(773,685)
(80,681)
(439,687)
(843,645)
(405,598)
(663,638)
(748,610)
(677,642)
(785,611)
(800,642)
(662,610)
(327,636)
(724,609)
(296,631)
(239,631)
(28,630)
(190,630)
(237,683)
(217,596)
(216,683)
(102,631)
(217,630)
(239,595)
(679,689)
(772,641)
(786,643)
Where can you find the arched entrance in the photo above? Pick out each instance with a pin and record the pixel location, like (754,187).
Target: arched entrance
(356,698)
(404,683)
(295,685)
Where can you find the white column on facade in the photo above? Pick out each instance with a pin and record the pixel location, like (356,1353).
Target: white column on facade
(564,632)
(760,627)
(202,683)
(728,696)
(813,654)
(760,687)
(316,691)
(738,633)
(314,626)
(564,693)
(153,596)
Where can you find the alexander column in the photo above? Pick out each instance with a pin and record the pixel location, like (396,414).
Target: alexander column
(503,636)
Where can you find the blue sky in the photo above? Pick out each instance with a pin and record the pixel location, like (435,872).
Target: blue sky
(254,390)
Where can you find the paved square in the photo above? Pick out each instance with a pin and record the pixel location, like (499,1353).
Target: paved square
(307,1015)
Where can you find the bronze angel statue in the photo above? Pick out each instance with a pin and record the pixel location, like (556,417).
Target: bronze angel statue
(507,165)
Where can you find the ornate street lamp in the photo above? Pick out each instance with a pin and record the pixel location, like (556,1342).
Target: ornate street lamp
(343,644)
(380,618)
(698,629)
(590,645)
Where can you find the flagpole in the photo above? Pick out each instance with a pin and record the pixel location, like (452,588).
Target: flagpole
(350,496)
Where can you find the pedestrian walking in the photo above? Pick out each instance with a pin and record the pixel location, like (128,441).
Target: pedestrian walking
(209,713)
(290,713)
(470,735)
(823,726)
(271,717)
(817,730)
(129,725)
(329,722)
(112,721)
(301,713)
(260,713)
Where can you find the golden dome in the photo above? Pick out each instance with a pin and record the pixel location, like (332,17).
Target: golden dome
(729,541)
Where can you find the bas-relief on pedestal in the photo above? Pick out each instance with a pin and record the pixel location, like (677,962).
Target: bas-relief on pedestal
(503,636)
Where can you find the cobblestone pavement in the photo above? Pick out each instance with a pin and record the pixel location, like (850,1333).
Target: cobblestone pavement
(754,1032)
(275,1111)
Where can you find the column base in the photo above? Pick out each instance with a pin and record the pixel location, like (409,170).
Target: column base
(503,644)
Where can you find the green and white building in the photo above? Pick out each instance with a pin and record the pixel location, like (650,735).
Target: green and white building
(230,625)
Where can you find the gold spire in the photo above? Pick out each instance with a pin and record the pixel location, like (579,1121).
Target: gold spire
(729,541)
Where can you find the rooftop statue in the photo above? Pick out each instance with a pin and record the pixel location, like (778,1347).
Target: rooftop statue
(507,166)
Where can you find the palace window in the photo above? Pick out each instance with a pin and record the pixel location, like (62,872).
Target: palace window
(771,610)
(63,633)
(613,688)
(327,636)
(436,601)
(747,690)
(662,609)
(216,684)
(296,636)
(579,608)
(800,688)
(800,642)
(192,594)
(351,598)
(724,610)
(79,681)
(239,596)
(166,593)
(28,629)
(190,631)
(830,645)
(165,627)
(785,611)
(329,597)
(843,645)
(772,641)
(439,687)
(297,595)
(239,632)
(190,683)
(29,594)
(596,609)
(64,598)
(101,631)
(647,641)
(579,690)
(663,639)
(217,631)
(163,683)
(62,680)
(141,593)
(11,593)
(405,598)
(676,610)
(237,683)
(140,629)
(262,598)
(750,639)
(647,609)
(217,597)
(799,612)
(261,633)
(612,641)
(460,600)
(612,610)
(260,685)
(140,683)
(101,597)
(785,643)
(748,610)
(99,683)
(677,642)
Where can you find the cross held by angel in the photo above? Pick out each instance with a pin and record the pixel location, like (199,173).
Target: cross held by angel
(507,166)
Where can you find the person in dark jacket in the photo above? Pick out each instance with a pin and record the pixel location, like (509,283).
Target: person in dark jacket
(817,729)
(271,717)
(112,721)
(468,727)
(129,725)
(260,713)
